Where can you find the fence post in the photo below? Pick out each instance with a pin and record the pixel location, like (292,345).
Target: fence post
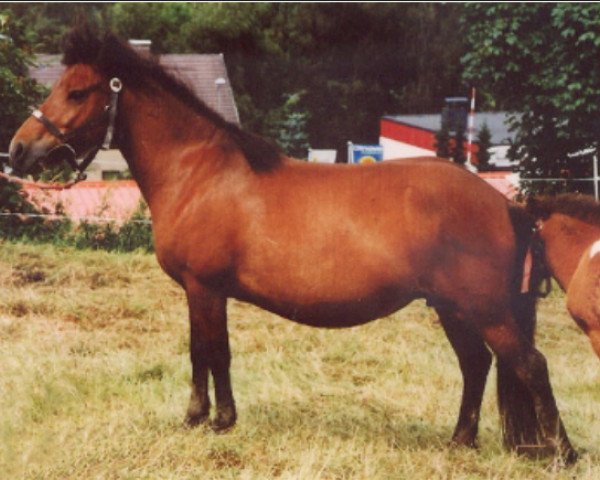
(596,176)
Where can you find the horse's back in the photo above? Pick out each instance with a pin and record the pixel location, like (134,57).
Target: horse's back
(410,201)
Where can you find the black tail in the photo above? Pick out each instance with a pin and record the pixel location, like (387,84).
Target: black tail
(520,425)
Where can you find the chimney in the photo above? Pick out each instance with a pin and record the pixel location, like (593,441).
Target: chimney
(455,113)
(143,47)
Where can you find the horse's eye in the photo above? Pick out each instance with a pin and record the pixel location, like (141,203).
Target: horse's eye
(78,95)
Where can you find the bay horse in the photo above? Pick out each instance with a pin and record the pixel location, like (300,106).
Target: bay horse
(323,245)
(569,229)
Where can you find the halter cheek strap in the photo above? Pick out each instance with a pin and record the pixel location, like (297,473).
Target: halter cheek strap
(109,113)
(115,87)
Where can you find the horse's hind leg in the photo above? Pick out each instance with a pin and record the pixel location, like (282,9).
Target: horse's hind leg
(530,368)
(209,351)
(475,360)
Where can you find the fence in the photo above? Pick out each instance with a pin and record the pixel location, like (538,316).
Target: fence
(89,232)
(85,207)
(90,201)
(595,178)
(93,214)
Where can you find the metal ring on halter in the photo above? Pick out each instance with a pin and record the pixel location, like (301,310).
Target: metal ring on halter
(116,85)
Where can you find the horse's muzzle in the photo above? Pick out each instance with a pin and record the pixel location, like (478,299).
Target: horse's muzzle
(24,157)
(20,157)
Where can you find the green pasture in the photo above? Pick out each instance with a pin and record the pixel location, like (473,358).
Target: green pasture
(94,382)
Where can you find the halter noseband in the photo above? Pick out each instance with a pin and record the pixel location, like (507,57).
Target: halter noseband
(108,113)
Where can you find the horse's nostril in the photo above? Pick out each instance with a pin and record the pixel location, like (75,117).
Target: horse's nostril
(16,153)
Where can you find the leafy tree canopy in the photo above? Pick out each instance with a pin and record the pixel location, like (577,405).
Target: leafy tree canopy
(541,62)
(17,91)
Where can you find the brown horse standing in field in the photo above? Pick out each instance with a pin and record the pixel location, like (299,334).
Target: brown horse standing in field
(323,245)
(569,228)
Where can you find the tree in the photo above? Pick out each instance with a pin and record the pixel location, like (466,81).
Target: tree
(539,61)
(47,23)
(484,142)
(163,23)
(17,91)
(288,126)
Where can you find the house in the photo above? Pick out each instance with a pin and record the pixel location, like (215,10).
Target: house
(403,136)
(206,74)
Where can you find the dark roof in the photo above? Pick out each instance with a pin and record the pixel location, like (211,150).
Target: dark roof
(198,71)
(496,122)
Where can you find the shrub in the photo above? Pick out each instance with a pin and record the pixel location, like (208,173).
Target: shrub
(136,233)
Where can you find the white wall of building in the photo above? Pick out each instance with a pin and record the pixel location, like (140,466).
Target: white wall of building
(395,149)
(106,161)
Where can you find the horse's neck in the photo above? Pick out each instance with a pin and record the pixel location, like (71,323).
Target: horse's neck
(565,240)
(164,141)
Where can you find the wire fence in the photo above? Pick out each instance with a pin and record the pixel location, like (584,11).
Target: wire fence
(89,219)
(595,178)
(71,217)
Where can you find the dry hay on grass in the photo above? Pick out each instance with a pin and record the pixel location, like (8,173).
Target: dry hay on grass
(95,379)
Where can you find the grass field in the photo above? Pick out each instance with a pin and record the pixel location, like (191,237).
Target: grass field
(94,382)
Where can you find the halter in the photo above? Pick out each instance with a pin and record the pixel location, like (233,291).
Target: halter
(108,113)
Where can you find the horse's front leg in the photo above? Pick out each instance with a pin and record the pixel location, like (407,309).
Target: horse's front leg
(209,351)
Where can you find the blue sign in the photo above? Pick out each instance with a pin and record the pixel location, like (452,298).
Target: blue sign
(364,153)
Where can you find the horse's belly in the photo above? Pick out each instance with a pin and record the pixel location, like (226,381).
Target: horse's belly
(329,305)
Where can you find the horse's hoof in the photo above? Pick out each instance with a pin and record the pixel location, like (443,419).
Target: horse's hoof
(569,457)
(220,427)
(458,443)
(192,421)
(223,422)
(536,451)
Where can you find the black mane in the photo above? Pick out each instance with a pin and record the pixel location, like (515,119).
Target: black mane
(581,207)
(115,58)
